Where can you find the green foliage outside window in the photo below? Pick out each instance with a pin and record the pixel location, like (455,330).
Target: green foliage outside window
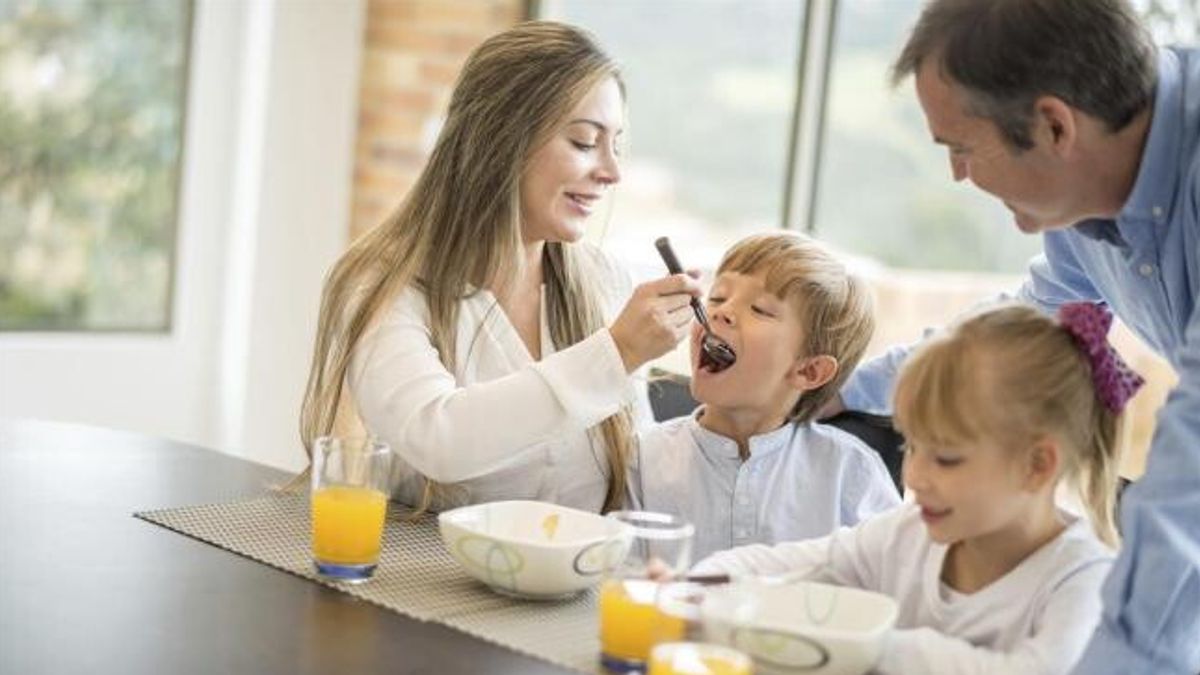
(91,123)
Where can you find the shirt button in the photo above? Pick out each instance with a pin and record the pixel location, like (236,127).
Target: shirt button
(1146,269)
(1157,211)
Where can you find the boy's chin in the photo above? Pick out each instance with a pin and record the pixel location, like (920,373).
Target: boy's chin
(718,397)
(705,396)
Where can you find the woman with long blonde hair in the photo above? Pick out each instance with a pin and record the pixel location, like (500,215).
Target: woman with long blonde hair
(472,330)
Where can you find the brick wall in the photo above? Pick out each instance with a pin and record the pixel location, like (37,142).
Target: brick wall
(412,53)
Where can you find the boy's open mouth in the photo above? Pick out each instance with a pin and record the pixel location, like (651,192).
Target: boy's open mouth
(715,363)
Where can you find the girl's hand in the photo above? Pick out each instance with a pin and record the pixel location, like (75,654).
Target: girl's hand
(657,570)
(655,319)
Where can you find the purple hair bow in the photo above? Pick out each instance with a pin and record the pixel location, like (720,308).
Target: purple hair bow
(1088,324)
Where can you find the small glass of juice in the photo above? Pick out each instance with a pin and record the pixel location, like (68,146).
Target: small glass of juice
(697,658)
(350,482)
(630,621)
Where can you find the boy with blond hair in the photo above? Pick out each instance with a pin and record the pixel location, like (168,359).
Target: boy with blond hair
(750,464)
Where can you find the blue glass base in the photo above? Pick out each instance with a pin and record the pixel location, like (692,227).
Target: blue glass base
(614,664)
(353,574)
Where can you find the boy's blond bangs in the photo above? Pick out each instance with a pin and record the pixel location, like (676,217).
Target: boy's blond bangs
(783,261)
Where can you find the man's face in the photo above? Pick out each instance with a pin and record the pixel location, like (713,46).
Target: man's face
(1033,183)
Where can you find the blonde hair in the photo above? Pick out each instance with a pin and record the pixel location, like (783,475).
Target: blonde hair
(835,307)
(460,226)
(1012,375)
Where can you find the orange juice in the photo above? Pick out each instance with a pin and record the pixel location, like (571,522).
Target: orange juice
(690,658)
(630,624)
(347,524)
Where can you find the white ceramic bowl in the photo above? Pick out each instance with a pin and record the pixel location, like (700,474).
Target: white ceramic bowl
(534,549)
(804,627)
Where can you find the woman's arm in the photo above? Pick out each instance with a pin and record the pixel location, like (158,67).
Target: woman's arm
(450,432)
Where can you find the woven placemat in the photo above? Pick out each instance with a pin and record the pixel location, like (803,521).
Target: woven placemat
(416,576)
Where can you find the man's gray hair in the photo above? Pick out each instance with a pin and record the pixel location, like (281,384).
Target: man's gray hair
(1095,55)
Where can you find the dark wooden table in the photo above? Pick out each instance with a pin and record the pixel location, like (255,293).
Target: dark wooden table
(87,588)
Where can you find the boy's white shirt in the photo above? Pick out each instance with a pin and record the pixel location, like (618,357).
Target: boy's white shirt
(1035,620)
(800,481)
(501,425)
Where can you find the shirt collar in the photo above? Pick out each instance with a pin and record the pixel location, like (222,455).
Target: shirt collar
(1102,230)
(716,445)
(1158,174)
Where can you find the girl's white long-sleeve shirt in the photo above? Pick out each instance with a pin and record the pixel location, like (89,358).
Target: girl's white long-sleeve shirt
(501,425)
(1035,620)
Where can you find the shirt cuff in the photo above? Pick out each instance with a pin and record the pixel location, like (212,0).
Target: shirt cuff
(588,378)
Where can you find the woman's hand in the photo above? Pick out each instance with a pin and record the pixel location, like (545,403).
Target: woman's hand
(655,319)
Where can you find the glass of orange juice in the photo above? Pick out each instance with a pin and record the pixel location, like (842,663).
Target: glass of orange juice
(350,482)
(697,658)
(630,622)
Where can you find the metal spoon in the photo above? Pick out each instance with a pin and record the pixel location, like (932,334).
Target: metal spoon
(715,354)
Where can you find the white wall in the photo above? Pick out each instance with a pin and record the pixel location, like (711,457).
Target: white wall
(264,209)
(298,218)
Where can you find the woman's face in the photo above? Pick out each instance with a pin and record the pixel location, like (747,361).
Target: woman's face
(569,174)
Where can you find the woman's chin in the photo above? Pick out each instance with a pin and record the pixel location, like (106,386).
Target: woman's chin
(570,230)
(561,231)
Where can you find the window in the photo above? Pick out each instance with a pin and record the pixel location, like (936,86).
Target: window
(1172,21)
(714,117)
(91,122)
(711,88)
(874,136)
(876,140)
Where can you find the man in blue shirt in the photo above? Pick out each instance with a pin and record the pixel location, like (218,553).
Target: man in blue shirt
(1065,110)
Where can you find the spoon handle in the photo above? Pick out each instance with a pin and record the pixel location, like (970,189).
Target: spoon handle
(663,244)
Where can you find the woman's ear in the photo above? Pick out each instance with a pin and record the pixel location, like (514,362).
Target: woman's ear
(1042,463)
(810,372)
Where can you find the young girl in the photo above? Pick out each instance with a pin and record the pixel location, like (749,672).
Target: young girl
(989,574)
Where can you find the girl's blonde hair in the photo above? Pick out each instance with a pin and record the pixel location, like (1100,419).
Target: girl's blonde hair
(459,228)
(835,307)
(1012,375)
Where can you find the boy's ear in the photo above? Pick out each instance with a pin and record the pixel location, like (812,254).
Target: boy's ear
(1042,463)
(810,372)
